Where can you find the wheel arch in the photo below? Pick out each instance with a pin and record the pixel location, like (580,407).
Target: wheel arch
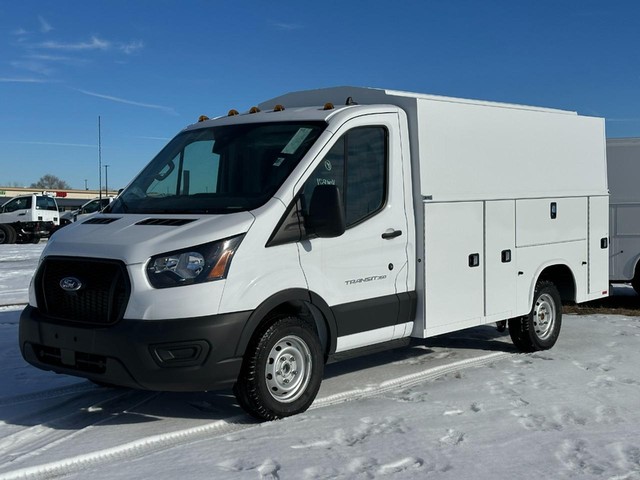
(562,277)
(295,301)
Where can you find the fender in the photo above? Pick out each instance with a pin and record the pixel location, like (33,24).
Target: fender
(283,297)
(542,268)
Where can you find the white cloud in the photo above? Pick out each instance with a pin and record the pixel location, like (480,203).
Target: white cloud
(286,26)
(95,44)
(45,27)
(130,102)
(22,80)
(34,66)
(131,47)
(144,137)
(55,58)
(55,144)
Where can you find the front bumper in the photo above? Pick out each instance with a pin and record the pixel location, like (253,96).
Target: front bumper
(189,354)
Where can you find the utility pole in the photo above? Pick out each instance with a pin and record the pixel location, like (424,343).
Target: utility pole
(106,180)
(85,184)
(99,160)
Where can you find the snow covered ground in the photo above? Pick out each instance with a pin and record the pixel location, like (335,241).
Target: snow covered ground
(458,406)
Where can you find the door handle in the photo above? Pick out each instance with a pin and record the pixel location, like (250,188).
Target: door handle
(392,234)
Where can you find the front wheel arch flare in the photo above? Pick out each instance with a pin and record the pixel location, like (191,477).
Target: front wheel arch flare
(289,302)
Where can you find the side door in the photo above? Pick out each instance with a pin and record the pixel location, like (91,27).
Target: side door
(17,210)
(360,273)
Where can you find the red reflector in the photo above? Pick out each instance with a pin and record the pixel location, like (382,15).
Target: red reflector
(604,292)
(61,194)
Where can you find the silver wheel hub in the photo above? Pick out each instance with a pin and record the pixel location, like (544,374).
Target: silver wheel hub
(544,316)
(288,369)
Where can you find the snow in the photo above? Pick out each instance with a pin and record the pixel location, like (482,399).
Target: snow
(464,405)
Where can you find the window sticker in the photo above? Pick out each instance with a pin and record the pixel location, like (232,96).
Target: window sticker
(296,141)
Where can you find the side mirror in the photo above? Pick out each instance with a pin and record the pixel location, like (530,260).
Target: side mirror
(326,213)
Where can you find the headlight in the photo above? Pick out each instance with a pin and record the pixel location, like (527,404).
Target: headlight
(203,263)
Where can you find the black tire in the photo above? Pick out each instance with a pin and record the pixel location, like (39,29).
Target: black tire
(35,239)
(635,281)
(539,330)
(7,234)
(282,370)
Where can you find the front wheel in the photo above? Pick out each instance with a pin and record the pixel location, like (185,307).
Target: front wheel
(539,330)
(282,370)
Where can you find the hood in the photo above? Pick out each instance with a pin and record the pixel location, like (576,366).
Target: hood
(134,238)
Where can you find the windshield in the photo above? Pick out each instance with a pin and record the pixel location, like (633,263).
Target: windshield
(46,203)
(219,169)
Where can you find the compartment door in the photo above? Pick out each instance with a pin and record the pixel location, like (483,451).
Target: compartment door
(454,266)
(501,265)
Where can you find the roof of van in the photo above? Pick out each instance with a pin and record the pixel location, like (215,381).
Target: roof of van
(366,95)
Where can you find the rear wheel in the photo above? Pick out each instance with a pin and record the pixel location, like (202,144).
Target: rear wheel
(282,370)
(539,330)
(7,234)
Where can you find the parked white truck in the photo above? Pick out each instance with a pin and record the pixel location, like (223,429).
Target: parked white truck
(254,248)
(28,218)
(623,160)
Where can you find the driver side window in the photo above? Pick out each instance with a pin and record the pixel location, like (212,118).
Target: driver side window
(18,204)
(357,165)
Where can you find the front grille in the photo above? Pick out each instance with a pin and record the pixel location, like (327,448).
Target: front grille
(99,294)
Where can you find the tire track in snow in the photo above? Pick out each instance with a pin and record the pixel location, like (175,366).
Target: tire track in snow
(48,394)
(31,441)
(151,444)
(408,380)
(137,448)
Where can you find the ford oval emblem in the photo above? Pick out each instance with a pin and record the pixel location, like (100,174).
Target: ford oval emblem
(70,284)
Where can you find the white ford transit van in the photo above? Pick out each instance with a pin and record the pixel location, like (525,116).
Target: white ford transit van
(256,247)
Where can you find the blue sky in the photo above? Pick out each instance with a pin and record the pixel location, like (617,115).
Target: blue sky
(149,68)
